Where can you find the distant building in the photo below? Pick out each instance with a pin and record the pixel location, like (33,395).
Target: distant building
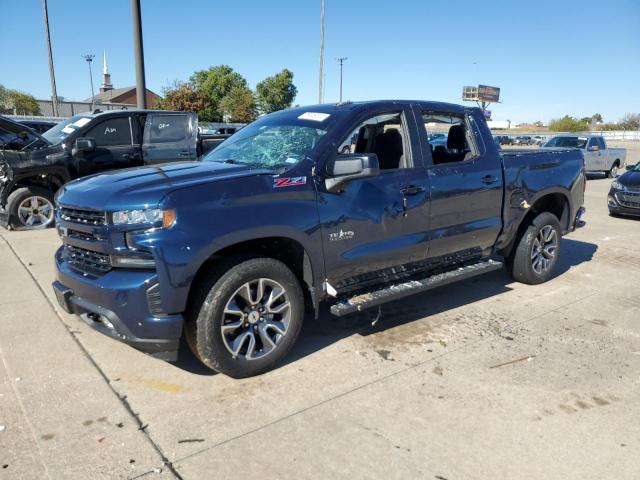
(121,96)
(109,98)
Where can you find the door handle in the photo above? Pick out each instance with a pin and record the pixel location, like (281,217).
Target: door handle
(184,153)
(413,190)
(130,156)
(489,179)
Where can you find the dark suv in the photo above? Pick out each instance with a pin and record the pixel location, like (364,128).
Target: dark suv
(33,167)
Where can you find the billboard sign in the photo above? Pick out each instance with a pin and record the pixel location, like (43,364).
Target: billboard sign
(488,94)
(469,94)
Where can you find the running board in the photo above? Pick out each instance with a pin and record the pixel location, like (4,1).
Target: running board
(401,290)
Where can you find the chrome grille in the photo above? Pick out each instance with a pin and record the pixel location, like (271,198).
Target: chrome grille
(89,217)
(628,199)
(87,261)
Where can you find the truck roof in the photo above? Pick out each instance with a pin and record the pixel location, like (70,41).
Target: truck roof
(332,107)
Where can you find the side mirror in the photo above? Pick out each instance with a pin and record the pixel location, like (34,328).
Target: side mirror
(84,144)
(342,169)
(594,148)
(630,167)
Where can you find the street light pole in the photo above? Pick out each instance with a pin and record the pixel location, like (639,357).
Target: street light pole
(321,76)
(89,58)
(138,50)
(54,93)
(341,61)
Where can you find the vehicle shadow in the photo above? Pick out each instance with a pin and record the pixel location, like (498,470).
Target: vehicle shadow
(320,333)
(328,329)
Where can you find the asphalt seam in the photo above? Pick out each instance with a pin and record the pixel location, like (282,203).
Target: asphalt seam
(122,399)
(368,384)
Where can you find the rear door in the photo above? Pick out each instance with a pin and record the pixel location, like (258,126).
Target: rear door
(466,182)
(379,223)
(115,147)
(169,137)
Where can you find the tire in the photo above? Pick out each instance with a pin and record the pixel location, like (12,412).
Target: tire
(260,340)
(534,261)
(614,170)
(31,208)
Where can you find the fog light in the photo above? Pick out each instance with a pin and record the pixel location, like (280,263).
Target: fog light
(612,201)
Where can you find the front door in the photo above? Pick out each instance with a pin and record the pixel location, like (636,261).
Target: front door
(114,146)
(466,187)
(169,137)
(377,225)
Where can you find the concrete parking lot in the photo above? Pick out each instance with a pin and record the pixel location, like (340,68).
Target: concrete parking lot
(482,379)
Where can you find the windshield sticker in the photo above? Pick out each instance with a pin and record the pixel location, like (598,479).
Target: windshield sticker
(315,116)
(68,129)
(81,122)
(289,181)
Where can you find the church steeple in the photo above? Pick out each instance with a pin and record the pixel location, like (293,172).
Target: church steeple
(106,78)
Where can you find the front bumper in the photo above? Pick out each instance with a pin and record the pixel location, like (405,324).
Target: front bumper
(615,201)
(116,305)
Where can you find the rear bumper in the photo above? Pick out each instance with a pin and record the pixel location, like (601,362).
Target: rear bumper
(116,305)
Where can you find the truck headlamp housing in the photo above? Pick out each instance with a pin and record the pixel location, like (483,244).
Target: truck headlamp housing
(616,185)
(154,217)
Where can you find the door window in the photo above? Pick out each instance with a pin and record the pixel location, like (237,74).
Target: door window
(450,138)
(593,142)
(166,129)
(601,143)
(383,135)
(111,132)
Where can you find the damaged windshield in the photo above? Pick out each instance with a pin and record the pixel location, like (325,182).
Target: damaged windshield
(277,143)
(65,128)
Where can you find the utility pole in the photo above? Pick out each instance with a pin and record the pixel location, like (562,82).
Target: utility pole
(138,50)
(89,58)
(321,76)
(341,61)
(54,93)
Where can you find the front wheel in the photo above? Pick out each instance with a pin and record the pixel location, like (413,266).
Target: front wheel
(31,208)
(249,318)
(538,250)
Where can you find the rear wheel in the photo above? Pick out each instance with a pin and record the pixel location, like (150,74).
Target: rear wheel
(248,318)
(31,208)
(538,250)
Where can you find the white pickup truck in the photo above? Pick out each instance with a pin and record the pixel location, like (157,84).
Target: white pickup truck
(597,156)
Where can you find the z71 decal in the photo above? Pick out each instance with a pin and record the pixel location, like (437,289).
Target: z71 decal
(289,181)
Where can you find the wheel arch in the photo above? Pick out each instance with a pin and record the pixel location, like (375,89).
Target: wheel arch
(286,249)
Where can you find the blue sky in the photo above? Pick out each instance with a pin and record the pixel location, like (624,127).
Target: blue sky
(548,57)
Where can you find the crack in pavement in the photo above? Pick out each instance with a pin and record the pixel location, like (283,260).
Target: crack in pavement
(165,460)
(373,382)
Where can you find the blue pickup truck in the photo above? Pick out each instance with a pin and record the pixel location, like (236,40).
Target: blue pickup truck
(346,204)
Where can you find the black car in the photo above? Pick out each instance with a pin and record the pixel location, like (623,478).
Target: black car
(33,166)
(503,140)
(39,126)
(624,195)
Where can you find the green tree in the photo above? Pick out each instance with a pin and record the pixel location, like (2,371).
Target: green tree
(212,85)
(568,124)
(19,102)
(239,105)
(276,92)
(180,96)
(597,117)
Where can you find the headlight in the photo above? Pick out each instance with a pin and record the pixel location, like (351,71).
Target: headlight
(149,216)
(616,185)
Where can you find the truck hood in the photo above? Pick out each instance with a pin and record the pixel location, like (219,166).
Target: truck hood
(630,179)
(144,187)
